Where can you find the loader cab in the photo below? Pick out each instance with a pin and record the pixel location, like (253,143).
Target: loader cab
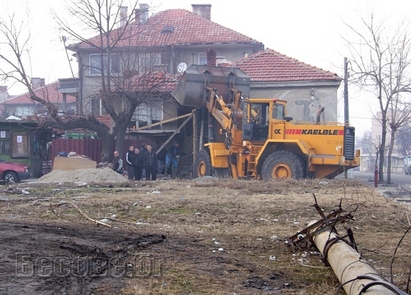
(259,113)
(278,111)
(256,120)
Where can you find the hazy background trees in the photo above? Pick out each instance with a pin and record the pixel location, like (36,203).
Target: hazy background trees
(380,63)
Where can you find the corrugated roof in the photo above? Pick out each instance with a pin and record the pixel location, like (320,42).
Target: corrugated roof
(271,66)
(175,27)
(48,92)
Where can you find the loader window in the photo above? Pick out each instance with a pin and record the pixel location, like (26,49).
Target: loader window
(278,112)
(259,114)
(258,128)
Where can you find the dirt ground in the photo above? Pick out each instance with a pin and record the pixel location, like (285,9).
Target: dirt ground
(202,236)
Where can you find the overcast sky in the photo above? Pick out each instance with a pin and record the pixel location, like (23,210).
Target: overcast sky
(309,31)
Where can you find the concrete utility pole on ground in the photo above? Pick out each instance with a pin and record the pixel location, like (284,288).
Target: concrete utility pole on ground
(355,275)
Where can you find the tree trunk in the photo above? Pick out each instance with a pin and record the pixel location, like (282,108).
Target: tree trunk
(381,162)
(389,165)
(382,145)
(390,150)
(107,149)
(120,133)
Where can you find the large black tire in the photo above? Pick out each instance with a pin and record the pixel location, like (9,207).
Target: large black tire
(10,177)
(283,164)
(202,164)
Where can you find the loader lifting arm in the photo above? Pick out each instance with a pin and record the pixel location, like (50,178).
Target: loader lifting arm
(228,112)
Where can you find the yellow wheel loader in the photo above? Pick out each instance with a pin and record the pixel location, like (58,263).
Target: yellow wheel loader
(242,137)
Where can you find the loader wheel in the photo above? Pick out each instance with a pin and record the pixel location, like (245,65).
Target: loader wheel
(202,165)
(283,164)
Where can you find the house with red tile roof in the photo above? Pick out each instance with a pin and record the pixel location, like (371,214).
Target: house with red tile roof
(166,42)
(23,106)
(306,88)
(172,40)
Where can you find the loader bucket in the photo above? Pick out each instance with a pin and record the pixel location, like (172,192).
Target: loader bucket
(191,90)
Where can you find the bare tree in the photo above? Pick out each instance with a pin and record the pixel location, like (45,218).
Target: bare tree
(15,67)
(399,116)
(104,28)
(126,71)
(381,65)
(404,140)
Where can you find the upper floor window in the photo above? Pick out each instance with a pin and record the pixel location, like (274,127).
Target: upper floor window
(96,67)
(146,114)
(149,60)
(202,58)
(96,106)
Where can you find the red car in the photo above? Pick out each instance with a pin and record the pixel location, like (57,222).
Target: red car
(13,172)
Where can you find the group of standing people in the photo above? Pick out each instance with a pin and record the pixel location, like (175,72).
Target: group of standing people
(144,163)
(141,160)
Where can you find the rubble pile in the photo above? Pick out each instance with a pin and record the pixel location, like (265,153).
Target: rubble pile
(96,175)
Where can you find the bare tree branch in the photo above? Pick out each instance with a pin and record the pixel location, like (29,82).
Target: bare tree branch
(101,28)
(381,65)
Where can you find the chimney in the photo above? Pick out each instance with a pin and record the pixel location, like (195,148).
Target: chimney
(4,95)
(211,58)
(37,82)
(203,10)
(136,15)
(142,13)
(123,16)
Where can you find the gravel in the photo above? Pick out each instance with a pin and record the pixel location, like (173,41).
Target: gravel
(96,175)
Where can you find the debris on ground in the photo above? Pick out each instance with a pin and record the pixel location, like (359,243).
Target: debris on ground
(91,175)
(219,237)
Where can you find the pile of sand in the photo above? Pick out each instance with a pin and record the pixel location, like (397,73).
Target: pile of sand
(96,175)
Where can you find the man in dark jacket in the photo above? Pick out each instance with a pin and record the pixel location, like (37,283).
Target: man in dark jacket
(130,160)
(150,163)
(172,158)
(138,165)
(143,150)
(117,163)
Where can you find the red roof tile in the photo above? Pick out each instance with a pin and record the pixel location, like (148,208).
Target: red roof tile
(157,81)
(105,119)
(48,92)
(271,66)
(176,27)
